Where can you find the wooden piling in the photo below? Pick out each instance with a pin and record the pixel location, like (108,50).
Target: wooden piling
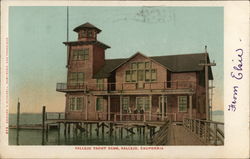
(58,133)
(90,129)
(17,122)
(102,129)
(65,128)
(110,129)
(97,129)
(43,124)
(47,132)
(121,132)
(68,129)
(75,129)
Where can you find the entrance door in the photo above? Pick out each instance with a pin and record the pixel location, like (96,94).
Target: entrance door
(163,105)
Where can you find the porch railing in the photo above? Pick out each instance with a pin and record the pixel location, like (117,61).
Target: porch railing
(104,116)
(127,86)
(210,132)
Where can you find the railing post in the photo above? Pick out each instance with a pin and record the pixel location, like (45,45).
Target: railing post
(195,126)
(215,136)
(205,131)
(199,129)
(191,125)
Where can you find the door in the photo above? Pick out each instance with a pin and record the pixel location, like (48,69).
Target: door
(164,105)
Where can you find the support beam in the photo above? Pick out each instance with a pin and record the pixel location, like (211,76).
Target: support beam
(108,108)
(120,107)
(206,87)
(190,106)
(86,107)
(162,107)
(150,107)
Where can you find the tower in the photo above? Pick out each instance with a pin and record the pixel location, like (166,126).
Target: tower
(85,57)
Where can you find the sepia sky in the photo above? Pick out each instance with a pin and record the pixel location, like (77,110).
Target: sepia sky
(38,57)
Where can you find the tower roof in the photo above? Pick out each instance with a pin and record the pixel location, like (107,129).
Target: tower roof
(87,26)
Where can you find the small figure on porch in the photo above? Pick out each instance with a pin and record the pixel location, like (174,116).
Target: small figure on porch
(129,112)
(135,113)
(158,113)
(142,113)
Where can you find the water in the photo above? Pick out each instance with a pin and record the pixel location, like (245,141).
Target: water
(34,137)
(218,118)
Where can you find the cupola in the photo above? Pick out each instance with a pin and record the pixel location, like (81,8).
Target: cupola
(87,32)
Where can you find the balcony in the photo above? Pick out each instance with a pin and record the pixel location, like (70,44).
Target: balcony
(132,86)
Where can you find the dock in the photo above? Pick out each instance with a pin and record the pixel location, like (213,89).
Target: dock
(165,132)
(181,136)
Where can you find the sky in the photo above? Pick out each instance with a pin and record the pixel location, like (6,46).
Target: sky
(38,56)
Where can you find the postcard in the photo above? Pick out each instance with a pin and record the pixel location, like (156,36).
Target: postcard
(124,79)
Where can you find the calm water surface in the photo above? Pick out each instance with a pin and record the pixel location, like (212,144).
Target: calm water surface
(34,137)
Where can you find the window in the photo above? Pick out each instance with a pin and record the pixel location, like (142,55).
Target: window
(153,75)
(146,104)
(76,78)
(127,76)
(133,66)
(76,103)
(147,65)
(147,75)
(141,65)
(140,71)
(89,33)
(134,76)
(83,33)
(140,75)
(125,103)
(81,54)
(100,84)
(99,104)
(182,103)
(142,102)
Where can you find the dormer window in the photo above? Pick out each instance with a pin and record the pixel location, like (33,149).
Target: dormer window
(81,54)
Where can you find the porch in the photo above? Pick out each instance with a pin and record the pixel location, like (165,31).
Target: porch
(133,107)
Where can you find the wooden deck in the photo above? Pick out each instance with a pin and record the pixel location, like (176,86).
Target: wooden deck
(181,136)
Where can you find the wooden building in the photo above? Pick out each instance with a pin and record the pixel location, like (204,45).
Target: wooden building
(147,88)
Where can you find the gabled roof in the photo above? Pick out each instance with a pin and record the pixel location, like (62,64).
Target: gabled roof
(108,67)
(174,63)
(87,26)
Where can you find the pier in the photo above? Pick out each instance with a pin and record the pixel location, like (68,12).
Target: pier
(163,132)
